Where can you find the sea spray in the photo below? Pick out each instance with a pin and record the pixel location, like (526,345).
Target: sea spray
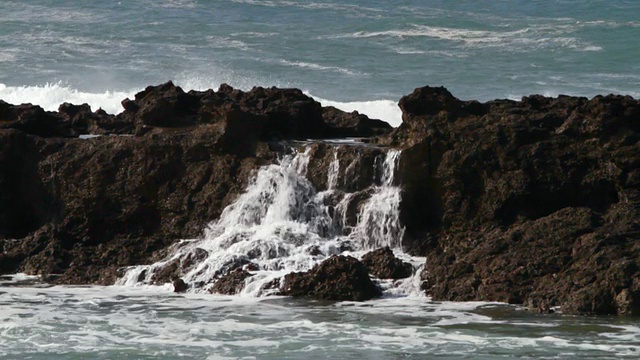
(281,223)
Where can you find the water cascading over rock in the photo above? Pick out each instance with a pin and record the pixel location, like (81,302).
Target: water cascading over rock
(283,224)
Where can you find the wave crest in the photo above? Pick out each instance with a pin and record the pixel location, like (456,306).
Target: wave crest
(50,95)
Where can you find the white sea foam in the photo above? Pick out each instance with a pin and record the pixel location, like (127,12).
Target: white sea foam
(352,9)
(50,96)
(225,42)
(313,66)
(140,322)
(386,110)
(524,39)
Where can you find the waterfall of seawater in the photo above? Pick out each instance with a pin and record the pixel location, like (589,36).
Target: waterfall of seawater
(282,224)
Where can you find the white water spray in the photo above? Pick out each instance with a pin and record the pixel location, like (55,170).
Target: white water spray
(282,224)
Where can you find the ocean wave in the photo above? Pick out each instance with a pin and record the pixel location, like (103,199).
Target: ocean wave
(7,57)
(224,42)
(152,321)
(50,96)
(314,66)
(255,34)
(177,4)
(309,5)
(413,51)
(526,38)
(37,14)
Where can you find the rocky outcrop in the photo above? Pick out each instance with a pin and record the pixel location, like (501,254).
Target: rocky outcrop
(534,202)
(382,263)
(337,278)
(81,209)
(353,124)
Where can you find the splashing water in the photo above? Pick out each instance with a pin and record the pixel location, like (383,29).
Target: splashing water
(282,224)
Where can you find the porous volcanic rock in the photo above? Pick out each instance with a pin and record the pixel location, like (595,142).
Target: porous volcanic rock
(383,264)
(337,278)
(533,202)
(84,208)
(231,283)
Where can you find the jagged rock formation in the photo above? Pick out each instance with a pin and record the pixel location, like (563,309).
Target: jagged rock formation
(84,208)
(533,201)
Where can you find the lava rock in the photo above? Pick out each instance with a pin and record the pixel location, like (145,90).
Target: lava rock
(383,264)
(341,278)
(352,124)
(533,201)
(85,208)
(179,286)
(232,283)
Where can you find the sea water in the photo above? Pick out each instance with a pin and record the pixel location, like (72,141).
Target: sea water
(355,55)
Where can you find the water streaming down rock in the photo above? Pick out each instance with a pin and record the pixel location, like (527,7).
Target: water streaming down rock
(334,170)
(282,224)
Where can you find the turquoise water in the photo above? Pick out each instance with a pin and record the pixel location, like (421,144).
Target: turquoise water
(360,55)
(354,52)
(134,323)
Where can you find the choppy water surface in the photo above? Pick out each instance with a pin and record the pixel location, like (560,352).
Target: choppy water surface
(358,54)
(355,54)
(152,323)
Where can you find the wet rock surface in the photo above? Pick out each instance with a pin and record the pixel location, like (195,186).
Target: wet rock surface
(382,263)
(84,208)
(337,278)
(231,283)
(532,202)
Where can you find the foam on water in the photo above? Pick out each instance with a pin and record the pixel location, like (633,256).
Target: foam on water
(313,66)
(525,39)
(151,322)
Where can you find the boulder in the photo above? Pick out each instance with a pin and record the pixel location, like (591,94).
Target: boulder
(179,286)
(231,283)
(354,124)
(341,278)
(383,264)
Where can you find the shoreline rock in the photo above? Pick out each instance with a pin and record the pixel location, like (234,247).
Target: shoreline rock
(164,167)
(383,264)
(341,278)
(533,202)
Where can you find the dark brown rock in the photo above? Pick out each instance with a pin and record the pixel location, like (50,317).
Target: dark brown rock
(84,209)
(179,286)
(383,264)
(352,124)
(232,283)
(337,278)
(533,201)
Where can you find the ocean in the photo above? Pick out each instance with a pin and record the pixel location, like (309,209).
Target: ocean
(355,55)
